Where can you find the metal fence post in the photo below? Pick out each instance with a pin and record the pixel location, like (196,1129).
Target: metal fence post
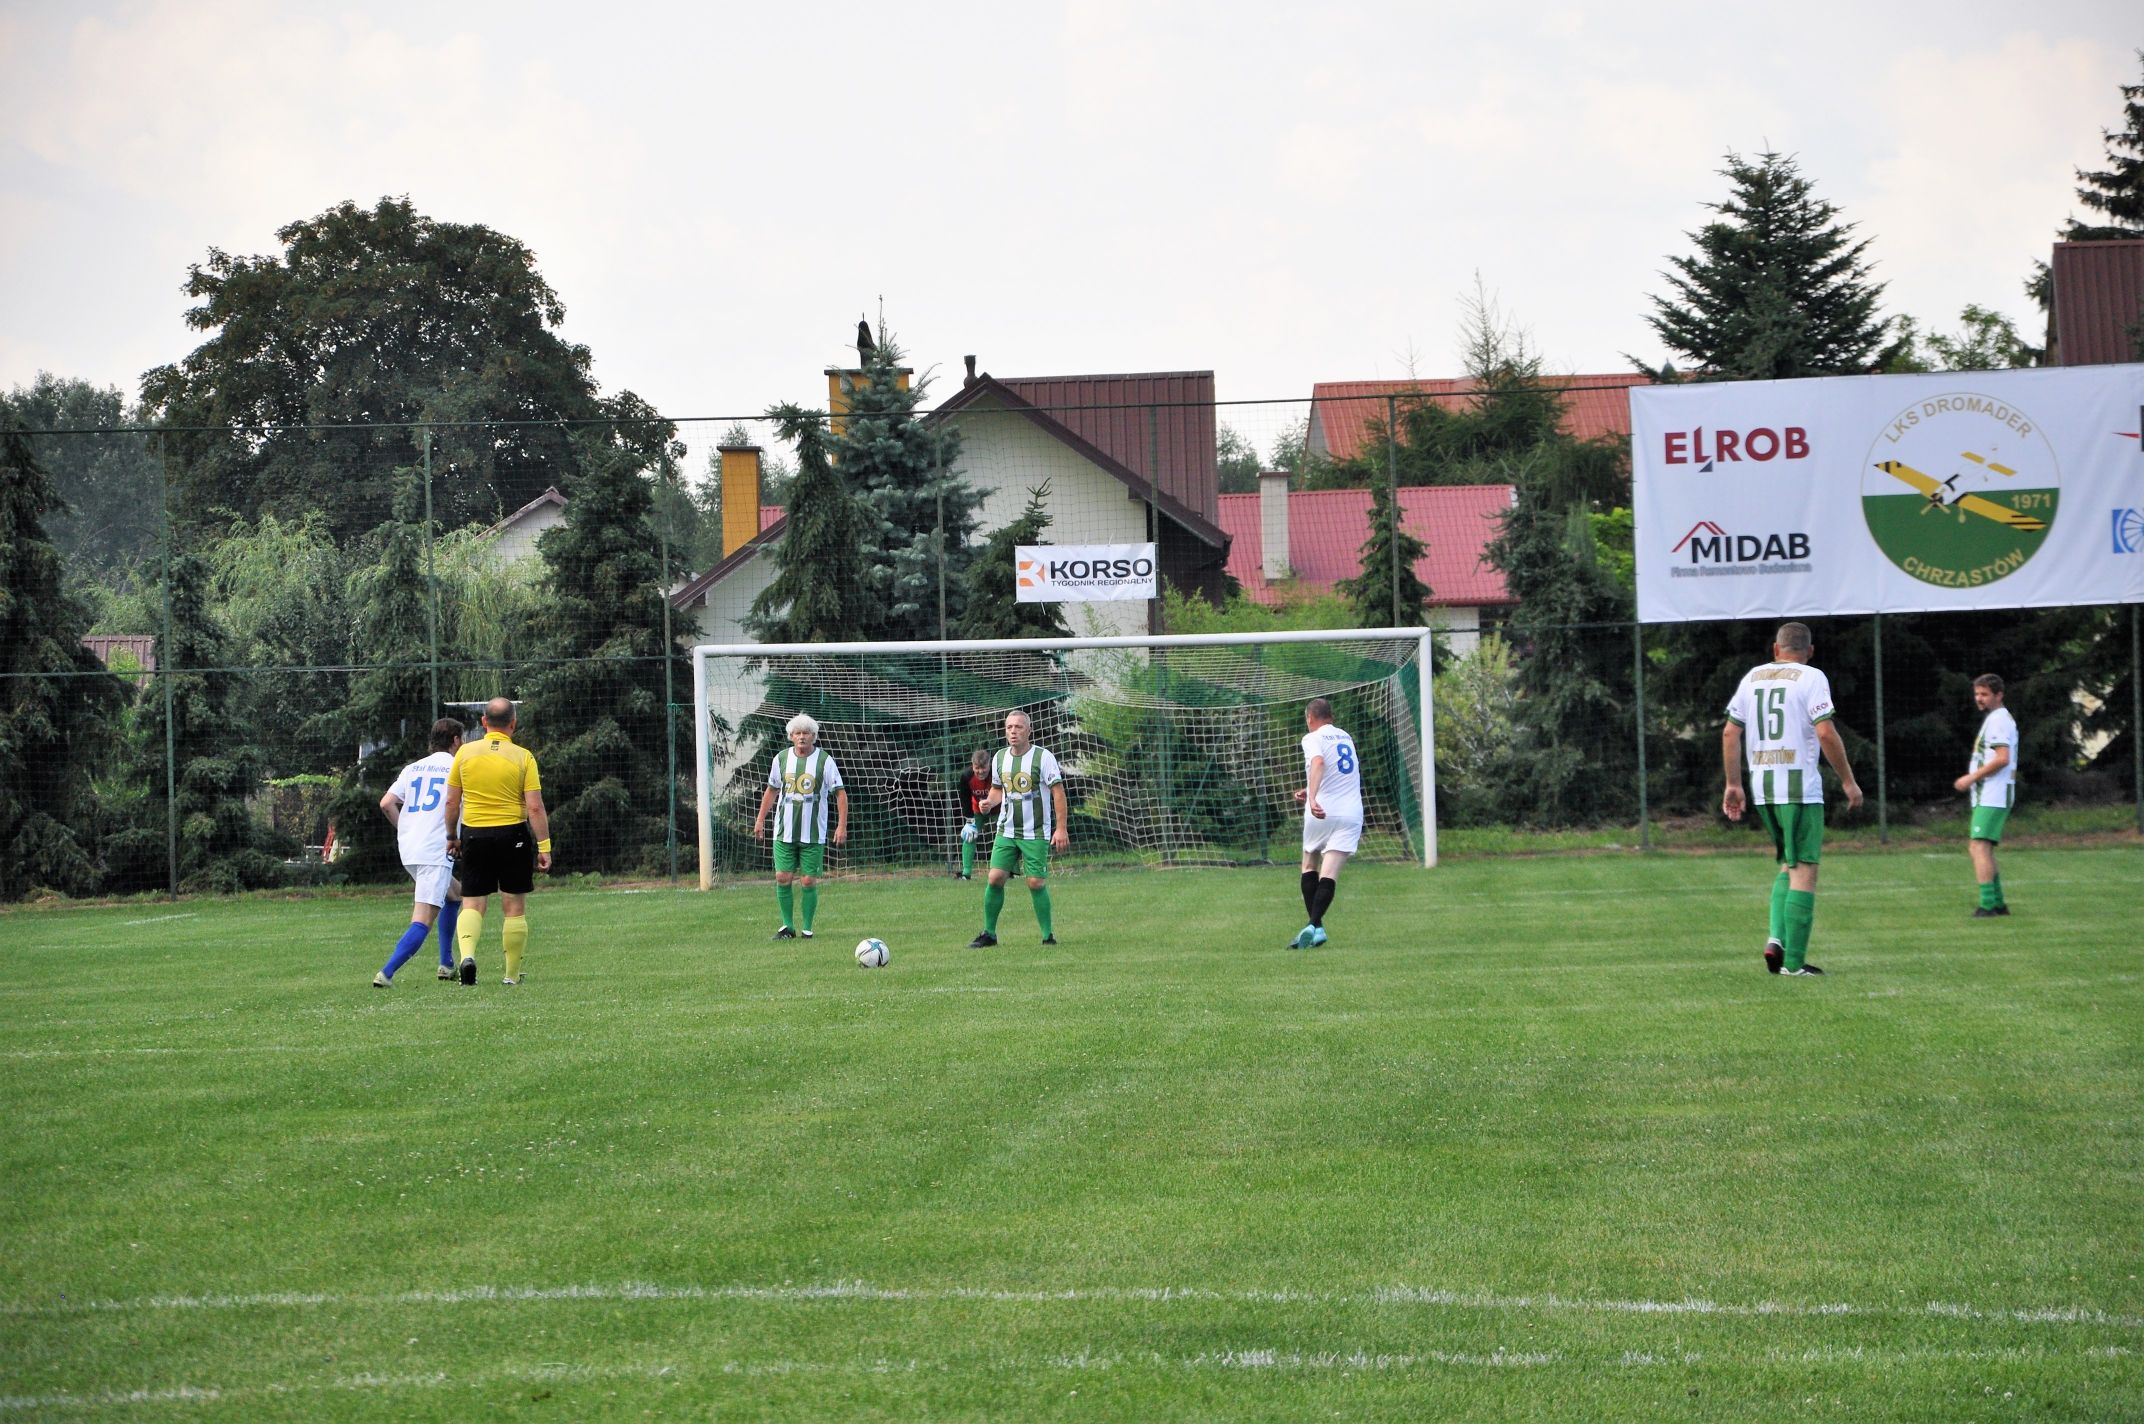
(165,666)
(1154,619)
(1392,487)
(1883,794)
(1637,666)
(662,535)
(431,575)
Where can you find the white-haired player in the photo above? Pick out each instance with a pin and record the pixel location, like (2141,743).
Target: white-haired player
(1332,814)
(799,784)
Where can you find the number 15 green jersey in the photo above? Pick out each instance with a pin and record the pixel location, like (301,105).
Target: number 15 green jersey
(1778,707)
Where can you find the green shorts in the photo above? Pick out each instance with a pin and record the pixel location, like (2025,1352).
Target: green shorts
(801,859)
(1797,829)
(1030,857)
(1988,822)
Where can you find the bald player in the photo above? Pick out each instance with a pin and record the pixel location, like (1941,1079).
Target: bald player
(499,832)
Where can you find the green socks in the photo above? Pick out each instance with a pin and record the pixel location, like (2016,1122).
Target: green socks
(1779,909)
(786,897)
(967,857)
(1042,910)
(1800,915)
(2000,902)
(811,905)
(1991,895)
(993,902)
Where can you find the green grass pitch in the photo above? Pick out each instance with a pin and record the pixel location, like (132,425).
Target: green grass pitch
(1531,1139)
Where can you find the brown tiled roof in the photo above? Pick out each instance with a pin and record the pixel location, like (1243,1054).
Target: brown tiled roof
(1341,412)
(549,496)
(2098,302)
(1105,419)
(773,519)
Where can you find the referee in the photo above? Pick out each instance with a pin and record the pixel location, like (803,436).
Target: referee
(499,832)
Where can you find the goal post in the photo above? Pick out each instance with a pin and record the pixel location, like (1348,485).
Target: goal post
(1177,749)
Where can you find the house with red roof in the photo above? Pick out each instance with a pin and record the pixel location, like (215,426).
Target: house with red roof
(2096,312)
(1344,413)
(1126,459)
(1286,544)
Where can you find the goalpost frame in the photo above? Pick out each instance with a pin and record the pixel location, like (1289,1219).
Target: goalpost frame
(702,652)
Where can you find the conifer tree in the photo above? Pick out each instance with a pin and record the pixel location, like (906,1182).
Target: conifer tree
(55,697)
(595,712)
(389,706)
(904,472)
(1383,598)
(993,607)
(1777,288)
(817,594)
(2115,192)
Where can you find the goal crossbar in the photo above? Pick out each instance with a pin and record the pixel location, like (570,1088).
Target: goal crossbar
(701,653)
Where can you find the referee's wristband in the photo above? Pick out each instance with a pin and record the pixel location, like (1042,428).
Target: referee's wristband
(544,845)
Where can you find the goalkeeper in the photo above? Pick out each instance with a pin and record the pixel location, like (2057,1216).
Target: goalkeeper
(1027,790)
(800,782)
(973,788)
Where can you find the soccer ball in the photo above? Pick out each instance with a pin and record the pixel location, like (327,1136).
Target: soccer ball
(872,953)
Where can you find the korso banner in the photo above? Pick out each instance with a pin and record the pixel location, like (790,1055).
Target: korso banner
(1083,573)
(1880,494)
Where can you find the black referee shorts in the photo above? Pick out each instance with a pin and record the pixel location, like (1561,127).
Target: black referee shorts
(498,860)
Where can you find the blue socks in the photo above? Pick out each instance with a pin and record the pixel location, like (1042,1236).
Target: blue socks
(448,914)
(412,940)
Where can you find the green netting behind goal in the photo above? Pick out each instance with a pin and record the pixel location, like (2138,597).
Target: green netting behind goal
(1172,755)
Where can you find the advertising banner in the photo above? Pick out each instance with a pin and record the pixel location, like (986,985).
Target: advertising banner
(1084,573)
(1883,494)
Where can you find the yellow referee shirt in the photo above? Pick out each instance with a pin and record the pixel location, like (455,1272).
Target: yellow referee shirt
(492,775)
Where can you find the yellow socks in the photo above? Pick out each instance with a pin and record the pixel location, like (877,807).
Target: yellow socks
(466,930)
(514,929)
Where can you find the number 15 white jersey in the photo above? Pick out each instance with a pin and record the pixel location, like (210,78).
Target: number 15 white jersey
(421,830)
(1340,788)
(1778,707)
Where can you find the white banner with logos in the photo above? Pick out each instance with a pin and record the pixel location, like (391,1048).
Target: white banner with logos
(1083,573)
(1881,494)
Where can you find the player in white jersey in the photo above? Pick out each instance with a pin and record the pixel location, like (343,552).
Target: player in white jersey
(1783,710)
(1990,784)
(800,783)
(416,807)
(1332,814)
(1027,790)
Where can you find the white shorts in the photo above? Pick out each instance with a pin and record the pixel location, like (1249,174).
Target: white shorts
(432,882)
(1334,833)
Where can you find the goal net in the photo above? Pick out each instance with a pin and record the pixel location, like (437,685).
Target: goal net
(1176,751)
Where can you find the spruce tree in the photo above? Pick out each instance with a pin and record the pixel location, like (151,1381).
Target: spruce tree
(993,606)
(904,471)
(56,699)
(2115,192)
(389,706)
(1383,598)
(595,712)
(1777,289)
(817,594)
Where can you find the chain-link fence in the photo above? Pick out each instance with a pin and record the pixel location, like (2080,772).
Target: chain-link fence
(252,630)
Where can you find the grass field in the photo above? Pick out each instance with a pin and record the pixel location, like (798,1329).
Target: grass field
(1529,1139)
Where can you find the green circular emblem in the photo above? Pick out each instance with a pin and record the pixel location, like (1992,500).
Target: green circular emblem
(1960,490)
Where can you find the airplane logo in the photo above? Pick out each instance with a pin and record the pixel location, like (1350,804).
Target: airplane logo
(1941,494)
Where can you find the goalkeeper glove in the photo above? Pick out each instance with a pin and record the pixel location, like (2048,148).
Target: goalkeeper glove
(967,832)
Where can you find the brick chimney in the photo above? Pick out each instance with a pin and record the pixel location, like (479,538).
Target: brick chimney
(1273,526)
(740,496)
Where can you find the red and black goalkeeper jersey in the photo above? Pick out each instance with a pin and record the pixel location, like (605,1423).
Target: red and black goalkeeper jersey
(973,788)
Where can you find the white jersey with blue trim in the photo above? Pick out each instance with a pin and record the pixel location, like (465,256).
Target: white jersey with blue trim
(1340,788)
(421,829)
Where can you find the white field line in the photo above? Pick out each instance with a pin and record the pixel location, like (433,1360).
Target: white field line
(163,919)
(1084,1362)
(205,1048)
(862,1291)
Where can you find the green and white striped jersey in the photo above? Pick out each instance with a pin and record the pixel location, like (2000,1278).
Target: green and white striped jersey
(1029,811)
(1778,707)
(1999,729)
(806,785)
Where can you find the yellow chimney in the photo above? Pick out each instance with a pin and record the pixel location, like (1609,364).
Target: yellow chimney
(740,496)
(837,400)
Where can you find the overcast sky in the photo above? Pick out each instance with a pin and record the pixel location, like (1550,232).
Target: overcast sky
(1283,193)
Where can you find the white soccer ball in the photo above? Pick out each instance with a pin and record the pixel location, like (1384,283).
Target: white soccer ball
(872,953)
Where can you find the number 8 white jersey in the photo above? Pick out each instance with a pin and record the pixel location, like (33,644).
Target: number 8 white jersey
(1778,707)
(1340,788)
